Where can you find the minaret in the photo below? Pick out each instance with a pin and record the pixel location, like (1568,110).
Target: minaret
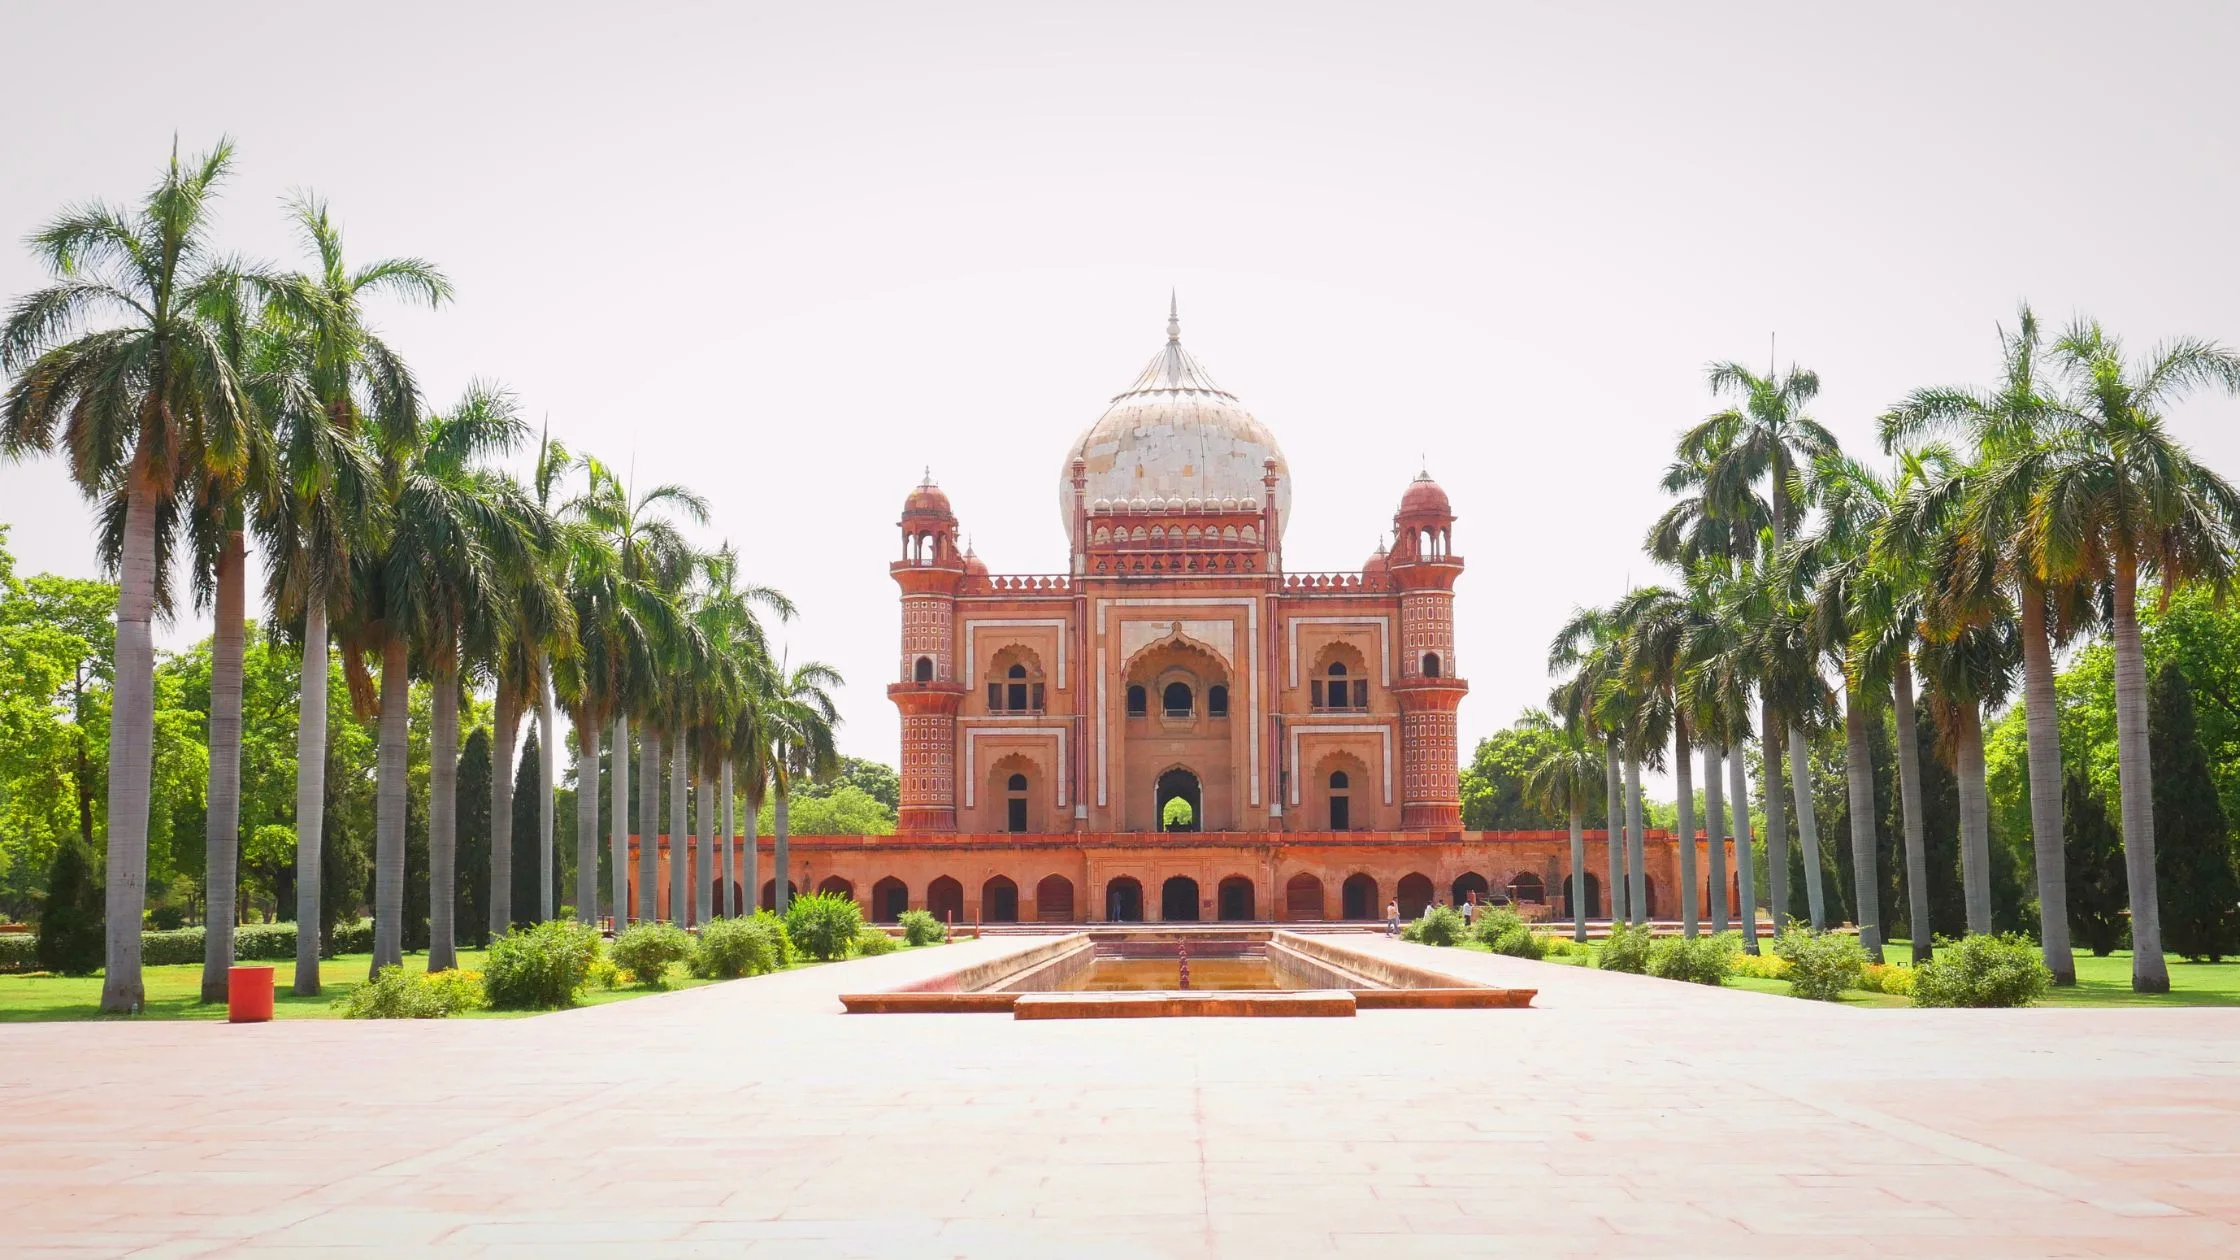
(1423,568)
(927,690)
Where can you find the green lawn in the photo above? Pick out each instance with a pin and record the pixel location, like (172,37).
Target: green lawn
(2100,981)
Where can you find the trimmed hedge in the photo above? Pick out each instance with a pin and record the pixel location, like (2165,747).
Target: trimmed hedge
(252,942)
(1984,970)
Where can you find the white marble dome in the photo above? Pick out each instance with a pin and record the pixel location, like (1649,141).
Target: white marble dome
(1175,435)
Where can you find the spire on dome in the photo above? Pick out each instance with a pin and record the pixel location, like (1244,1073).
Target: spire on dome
(1173,369)
(1174,321)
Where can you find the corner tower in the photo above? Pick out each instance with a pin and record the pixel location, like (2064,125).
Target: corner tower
(1423,568)
(928,690)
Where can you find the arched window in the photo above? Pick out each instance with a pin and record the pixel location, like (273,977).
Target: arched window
(1338,779)
(1015,803)
(1430,664)
(1217,701)
(924,671)
(1015,689)
(1138,700)
(1338,689)
(1176,700)
(1341,802)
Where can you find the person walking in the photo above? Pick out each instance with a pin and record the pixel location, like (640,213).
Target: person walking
(1470,909)
(1392,918)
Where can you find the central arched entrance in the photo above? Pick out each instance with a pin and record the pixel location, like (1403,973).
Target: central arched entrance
(1233,899)
(1178,900)
(1183,784)
(1123,900)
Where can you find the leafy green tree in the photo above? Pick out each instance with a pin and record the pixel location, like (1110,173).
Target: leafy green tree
(70,929)
(2094,852)
(526,864)
(1176,815)
(845,811)
(1493,783)
(2193,844)
(874,779)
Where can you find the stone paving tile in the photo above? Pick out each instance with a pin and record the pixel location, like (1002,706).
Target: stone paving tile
(1621,1116)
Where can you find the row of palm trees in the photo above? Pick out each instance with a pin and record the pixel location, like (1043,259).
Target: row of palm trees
(1811,589)
(199,398)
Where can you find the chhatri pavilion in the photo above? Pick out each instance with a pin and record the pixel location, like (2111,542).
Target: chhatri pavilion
(1307,718)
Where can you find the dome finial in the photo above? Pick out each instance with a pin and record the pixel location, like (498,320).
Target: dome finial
(1174,321)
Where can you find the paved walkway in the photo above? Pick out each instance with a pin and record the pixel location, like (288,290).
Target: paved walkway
(1623,1116)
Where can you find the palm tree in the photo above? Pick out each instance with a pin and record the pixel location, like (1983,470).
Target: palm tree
(538,623)
(729,614)
(127,402)
(1585,648)
(1566,778)
(1768,435)
(458,532)
(2118,499)
(1716,692)
(2007,425)
(323,507)
(799,717)
(1664,630)
(553,462)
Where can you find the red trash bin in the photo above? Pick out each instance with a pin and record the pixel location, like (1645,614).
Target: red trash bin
(248,995)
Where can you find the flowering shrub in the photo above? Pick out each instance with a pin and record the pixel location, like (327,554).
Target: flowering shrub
(1983,970)
(1703,960)
(395,993)
(871,942)
(1820,967)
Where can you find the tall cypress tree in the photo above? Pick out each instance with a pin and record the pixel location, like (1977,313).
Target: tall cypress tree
(473,891)
(2092,850)
(2199,892)
(72,937)
(525,865)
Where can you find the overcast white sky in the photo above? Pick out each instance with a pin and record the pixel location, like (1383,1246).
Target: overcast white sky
(792,254)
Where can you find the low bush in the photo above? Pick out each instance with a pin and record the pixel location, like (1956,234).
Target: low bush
(603,973)
(1760,966)
(166,949)
(1562,947)
(398,994)
(1703,960)
(1886,978)
(919,927)
(647,950)
(19,951)
(1821,966)
(1440,925)
(167,918)
(731,948)
(266,942)
(541,967)
(777,929)
(1983,970)
(1627,949)
(349,938)
(1503,931)
(871,942)
(823,925)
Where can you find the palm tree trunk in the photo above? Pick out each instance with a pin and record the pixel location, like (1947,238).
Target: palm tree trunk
(780,859)
(680,832)
(618,809)
(649,825)
(504,735)
(1715,835)
(1774,785)
(1614,830)
(311,790)
(1745,861)
(1909,811)
(443,819)
(1578,875)
(2045,787)
(132,717)
(548,773)
(1858,776)
(1685,790)
(730,867)
(1808,828)
(703,875)
(1975,815)
(388,824)
(221,831)
(1637,894)
(750,858)
(2134,782)
(587,822)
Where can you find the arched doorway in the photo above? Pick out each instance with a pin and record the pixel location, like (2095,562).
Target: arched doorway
(770,893)
(837,886)
(889,898)
(1178,900)
(1593,906)
(1179,782)
(1123,900)
(1015,803)
(1469,882)
(1648,896)
(945,899)
(1302,898)
(999,901)
(1357,897)
(1053,899)
(1526,888)
(1415,894)
(1233,900)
